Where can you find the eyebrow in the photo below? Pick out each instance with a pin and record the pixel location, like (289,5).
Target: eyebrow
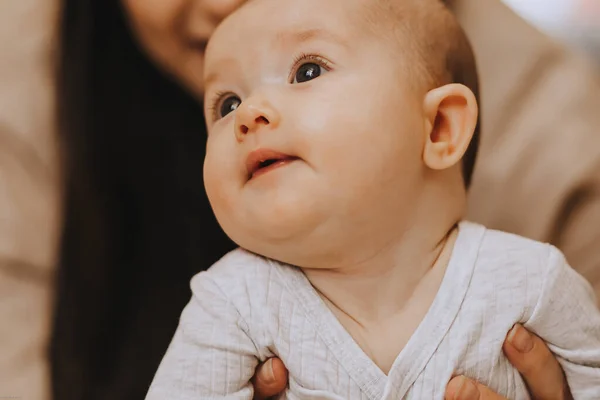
(295,37)
(215,74)
(290,37)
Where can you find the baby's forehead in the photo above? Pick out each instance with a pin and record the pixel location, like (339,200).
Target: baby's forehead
(262,27)
(277,21)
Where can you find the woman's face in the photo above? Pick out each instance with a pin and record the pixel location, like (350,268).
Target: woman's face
(174,33)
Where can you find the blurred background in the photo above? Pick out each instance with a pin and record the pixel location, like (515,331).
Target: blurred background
(76,318)
(574,22)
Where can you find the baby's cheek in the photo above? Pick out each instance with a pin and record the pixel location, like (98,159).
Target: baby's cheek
(223,204)
(215,182)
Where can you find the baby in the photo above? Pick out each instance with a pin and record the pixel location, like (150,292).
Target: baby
(341,141)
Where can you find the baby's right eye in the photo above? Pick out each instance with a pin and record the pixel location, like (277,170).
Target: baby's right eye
(225,105)
(229,104)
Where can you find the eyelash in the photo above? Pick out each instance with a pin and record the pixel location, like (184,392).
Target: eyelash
(302,59)
(215,103)
(298,62)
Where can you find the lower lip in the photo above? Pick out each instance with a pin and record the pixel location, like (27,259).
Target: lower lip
(272,167)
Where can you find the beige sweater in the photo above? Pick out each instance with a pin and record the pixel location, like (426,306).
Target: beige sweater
(28,195)
(537,173)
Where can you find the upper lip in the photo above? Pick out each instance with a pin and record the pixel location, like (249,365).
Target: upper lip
(200,44)
(257,158)
(199,39)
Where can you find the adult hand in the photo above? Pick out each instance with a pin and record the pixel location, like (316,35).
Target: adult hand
(532,358)
(527,353)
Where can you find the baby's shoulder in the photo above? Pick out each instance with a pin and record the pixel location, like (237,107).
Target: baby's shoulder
(237,270)
(238,263)
(513,264)
(502,253)
(245,279)
(508,249)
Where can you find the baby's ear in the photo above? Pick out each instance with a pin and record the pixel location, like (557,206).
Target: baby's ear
(451,112)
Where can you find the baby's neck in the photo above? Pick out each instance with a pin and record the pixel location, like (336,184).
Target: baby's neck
(380,288)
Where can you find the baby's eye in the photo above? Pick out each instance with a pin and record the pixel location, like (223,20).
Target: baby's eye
(307,72)
(228,105)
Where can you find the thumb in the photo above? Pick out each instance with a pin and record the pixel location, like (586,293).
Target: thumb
(461,388)
(532,358)
(271,379)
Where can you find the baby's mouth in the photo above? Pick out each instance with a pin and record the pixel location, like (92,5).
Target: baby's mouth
(262,161)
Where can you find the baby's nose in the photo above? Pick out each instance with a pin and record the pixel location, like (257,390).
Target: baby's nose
(252,116)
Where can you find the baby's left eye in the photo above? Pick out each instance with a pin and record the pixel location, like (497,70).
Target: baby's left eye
(307,72)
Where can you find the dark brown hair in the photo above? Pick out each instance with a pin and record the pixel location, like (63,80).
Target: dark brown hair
(137,221)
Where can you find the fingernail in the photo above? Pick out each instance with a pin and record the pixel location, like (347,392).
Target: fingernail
(520,338)
(269,373)
(467,390)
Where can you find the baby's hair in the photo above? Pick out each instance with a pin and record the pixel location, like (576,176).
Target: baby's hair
(426,31)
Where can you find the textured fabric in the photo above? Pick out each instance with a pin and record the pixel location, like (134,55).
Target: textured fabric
(247,308)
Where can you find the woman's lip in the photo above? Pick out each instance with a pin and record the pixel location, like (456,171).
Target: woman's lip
(258,157)
(199,45)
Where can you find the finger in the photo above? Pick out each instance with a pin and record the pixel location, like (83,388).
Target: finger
(461,388)
(271,379)
(538,366)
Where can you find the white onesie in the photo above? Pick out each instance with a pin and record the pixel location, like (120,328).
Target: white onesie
(247,308)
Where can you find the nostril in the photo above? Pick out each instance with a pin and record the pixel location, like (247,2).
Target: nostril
(262,120)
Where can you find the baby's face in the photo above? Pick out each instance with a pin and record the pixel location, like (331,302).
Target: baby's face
(315,137)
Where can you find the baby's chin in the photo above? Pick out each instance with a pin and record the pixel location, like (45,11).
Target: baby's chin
(263,240)
(306,254)
(302,246)
(281,243)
